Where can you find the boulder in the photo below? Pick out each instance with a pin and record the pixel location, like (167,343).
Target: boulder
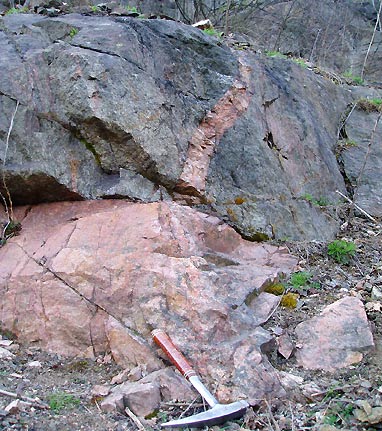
(337,338)
(87,277)
(154,110)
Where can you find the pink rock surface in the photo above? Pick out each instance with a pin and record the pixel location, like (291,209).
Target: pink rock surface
(94,276)
(338,337)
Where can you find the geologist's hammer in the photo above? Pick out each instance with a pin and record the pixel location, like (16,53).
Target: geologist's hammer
(218,413)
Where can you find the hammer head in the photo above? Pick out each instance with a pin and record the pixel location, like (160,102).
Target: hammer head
(218,414)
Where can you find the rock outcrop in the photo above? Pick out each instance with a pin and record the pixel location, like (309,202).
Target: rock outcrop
(154,109)
(362,157)
(87,277)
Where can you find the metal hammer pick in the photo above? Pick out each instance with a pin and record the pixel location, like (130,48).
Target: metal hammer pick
(218,413)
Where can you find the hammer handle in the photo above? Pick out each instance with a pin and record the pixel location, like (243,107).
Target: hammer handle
(175,356)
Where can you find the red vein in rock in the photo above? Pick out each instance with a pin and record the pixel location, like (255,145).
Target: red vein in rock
(202,144)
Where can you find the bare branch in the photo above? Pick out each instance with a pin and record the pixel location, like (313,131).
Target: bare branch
(35,402)
(372,38)
(358,207)
(8,206)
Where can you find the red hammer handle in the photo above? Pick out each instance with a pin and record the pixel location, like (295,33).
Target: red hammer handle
(175,356)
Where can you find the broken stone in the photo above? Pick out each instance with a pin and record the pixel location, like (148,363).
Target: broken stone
(15,407)
(172,385)
(290,381)
(365,406)
(373,306)
(142,398)
(5,343)
(113,402)
(336,338)
(374,416)
(5,354)
(285,346)
(376,294)
(100,390)
(124,375)
(264,304)
(34,364)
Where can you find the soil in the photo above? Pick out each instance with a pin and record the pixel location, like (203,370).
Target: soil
(320,400)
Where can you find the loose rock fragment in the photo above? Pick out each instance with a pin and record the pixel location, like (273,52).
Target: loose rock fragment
(141,398)
(336,338)
(5,354)
(373,417)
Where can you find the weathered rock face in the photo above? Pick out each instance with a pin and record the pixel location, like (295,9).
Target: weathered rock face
(152,110)
(362,158)
(288,142)
(85,277)
(98,96)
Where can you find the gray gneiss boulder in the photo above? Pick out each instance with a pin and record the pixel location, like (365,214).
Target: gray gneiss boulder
(99,96)
(153,109)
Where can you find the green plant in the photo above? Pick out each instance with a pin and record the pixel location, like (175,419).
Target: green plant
(321,201)
(61,400)
(300,279)
(350,143)
(73,32)
(95,8)
(162,416)
(131,9)
(353,78)
(277,54)
(212,32)
(341,251)
(338,414)
(301,62)
(370,105)
(16,10)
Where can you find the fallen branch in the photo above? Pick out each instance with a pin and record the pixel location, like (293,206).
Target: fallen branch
(135,419)
(358,207)
(9,205)
(35,402)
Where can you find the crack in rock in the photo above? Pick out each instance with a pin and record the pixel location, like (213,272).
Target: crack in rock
(41,263)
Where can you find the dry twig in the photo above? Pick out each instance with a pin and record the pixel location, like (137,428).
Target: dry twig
(35,402)
(8,205)
(135,419)
(378,22)
(358,207)
(271,418)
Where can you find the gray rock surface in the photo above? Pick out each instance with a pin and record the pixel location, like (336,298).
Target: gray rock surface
(362,158)
(155,110)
